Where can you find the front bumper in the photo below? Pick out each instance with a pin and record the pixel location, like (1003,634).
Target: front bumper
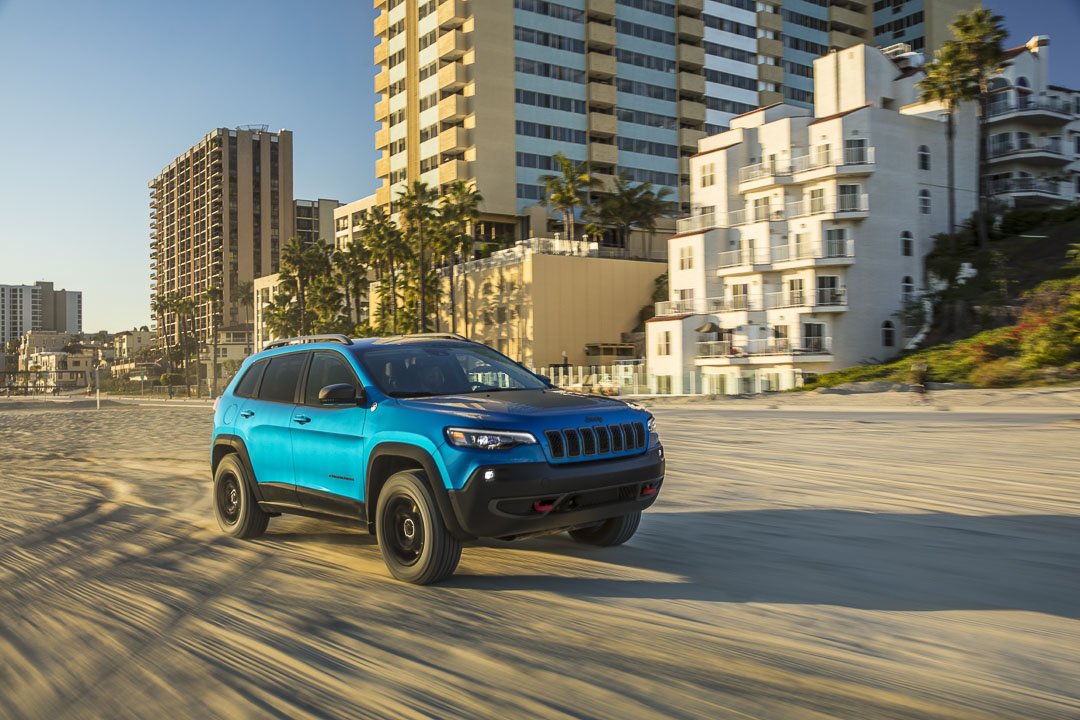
(535,498)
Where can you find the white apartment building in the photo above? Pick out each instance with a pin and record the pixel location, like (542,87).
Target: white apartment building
(808,232)
(1033,128)
(38,307)
(129,343)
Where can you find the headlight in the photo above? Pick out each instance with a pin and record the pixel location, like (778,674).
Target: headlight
(652,423)
(488,439)
(635,406)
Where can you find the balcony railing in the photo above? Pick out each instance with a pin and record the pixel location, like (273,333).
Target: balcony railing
(1029,105)
(765,346)
(785,253)
(1022,185)
(813,161)
(805,298)
(1051,145)
(797,208)
(702,306)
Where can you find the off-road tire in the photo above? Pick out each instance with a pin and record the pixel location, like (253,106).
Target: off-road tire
(413,539)
(614,531)
(235,507)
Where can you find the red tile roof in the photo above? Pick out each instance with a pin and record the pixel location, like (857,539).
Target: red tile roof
(841,114)
(669,317)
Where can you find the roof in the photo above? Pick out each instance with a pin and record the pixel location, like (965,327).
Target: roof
(706,152)
(1063,89)
(751,112)
(1013,52)
(666,318)
(840,114)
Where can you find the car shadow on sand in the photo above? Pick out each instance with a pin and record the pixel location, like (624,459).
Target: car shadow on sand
(879,561)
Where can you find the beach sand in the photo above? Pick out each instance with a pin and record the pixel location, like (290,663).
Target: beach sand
(811,556)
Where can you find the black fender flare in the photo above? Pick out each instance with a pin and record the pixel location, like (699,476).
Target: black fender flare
(434,481)
(236,444)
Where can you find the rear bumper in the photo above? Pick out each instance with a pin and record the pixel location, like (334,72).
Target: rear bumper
(535,498)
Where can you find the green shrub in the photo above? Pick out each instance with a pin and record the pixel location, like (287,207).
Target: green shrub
(171,379)
(1003,372)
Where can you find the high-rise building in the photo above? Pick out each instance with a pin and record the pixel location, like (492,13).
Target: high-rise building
(220,214)
(24,308)
(488,90)
(314,219)
(921,24)
(805,250)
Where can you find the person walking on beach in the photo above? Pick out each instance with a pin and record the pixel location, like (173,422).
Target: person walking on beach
(917,381)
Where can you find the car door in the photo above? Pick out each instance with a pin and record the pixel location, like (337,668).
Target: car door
(328,440)
(265,421)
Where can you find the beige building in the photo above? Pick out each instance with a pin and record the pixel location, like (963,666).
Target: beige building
(130,343)
(314,220)
(220,214)
(56,370)
(809,231)
(1033,132)
(348,221)
(265,290)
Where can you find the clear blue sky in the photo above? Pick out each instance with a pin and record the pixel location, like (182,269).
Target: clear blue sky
(97,97)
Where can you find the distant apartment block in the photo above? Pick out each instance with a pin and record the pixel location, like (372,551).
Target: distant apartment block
(130,343)
(1033,147)
(220,213)
(349,221)
(808,232)
(920,24)
(314,220)
(24,308)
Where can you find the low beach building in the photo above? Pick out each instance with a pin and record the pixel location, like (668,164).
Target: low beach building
(804,252)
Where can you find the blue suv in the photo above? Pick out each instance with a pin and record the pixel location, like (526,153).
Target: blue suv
(428,440)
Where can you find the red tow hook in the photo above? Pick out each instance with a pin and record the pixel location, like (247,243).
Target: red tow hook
(649,489)
(541,506)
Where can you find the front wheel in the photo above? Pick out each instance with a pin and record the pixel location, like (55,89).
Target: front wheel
(237,512)
(415,544)
(614,531)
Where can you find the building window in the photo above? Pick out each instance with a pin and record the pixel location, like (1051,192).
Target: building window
(686,258)
(817,200)
(663,343)
(708,173)
(907,289)
(924,202)
(907,244)
(924,157)
(888,334)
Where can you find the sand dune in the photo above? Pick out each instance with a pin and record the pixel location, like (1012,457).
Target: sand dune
(860,560)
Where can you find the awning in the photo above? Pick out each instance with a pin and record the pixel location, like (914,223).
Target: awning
(710,327)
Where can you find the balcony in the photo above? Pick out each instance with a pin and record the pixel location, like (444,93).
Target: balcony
(1048,111)
(453,108)
(453,170)
(1028,188)
(380,25)
(688,139)
(765,346)
(452,14)
(382,81)
(454,140)
(692,111)
(856,204)
(602,9)
(822,298)
(602,154)
(689,28)
(453,77)
(603,124)
(382,111)
(382,139)
(452,45)
(851,205)
(691,57)
(382,52)
(600,36)
(770,47)
(691,83)
(707,306)
(1046,151)
(690,7)
(770,73)
(850,161)
(601,95)
(601,65)
(847,17)
(770,21)
(382,167)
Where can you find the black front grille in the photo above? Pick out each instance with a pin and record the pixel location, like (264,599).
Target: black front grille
(616,438)
(603,440)
(588,441)
(555,442)
(639,432)
(629,441)
(573,442)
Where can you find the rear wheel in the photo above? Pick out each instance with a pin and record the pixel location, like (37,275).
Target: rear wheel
(415,544)
(237,512)
(614,531)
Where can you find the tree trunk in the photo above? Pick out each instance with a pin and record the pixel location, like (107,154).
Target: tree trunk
(300,302)
(980,212)
(393,299)
(213,363)
(568,221)
(453,299)
(950,135)
(420,277)
(348,299)
(465,303)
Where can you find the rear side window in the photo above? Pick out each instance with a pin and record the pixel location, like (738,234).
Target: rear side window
(246,387)
(280,378)
(327,368)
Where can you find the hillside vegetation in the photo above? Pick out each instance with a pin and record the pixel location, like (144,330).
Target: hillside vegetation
(1017,322)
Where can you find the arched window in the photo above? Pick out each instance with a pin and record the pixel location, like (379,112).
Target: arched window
(924,157)
(924,202)
(907,244)
(907,288)
(888,334)
(1022,98)
(998,83)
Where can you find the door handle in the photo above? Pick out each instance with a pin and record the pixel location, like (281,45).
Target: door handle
(246,413)
(302,419)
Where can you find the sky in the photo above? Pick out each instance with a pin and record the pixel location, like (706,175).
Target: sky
(97,97)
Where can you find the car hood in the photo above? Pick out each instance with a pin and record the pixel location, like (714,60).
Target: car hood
(510,405)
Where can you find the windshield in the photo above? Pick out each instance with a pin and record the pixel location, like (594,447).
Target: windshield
(421,370)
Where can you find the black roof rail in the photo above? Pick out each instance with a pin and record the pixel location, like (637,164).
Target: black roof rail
(423,336)
(333,337)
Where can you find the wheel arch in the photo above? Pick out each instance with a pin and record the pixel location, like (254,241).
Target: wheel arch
(388,458)
(228,444)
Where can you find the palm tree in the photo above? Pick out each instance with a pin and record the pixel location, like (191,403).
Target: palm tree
(947,81)
(352,263)
(460,207)
(212,296)
(184,309)
(565,191)
(979,35)
(300,263)
(387,247)
(282,316)
(243,293)
(160,305)
(629,206)
(416,202)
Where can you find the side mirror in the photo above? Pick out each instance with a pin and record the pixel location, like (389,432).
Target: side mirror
(340,394)
(546,379)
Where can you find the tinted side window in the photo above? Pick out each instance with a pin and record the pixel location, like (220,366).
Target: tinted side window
(246,387)
(327,368)
(280,378)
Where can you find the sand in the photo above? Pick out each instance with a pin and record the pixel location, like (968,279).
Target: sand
(821,556)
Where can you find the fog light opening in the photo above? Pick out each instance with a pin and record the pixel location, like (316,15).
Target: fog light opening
(649,489)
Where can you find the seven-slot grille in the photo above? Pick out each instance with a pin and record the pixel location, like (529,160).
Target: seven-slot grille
(591,441)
